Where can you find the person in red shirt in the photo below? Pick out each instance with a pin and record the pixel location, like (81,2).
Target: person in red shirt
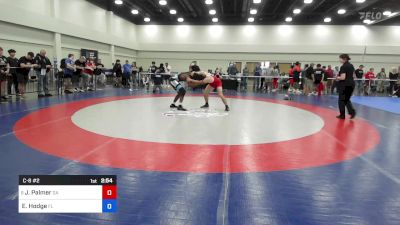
(275,74)
(296,76)
(291,80)
(369,76)
(87,74)
(329,76)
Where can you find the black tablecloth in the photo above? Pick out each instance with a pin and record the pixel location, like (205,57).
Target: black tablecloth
(230,84)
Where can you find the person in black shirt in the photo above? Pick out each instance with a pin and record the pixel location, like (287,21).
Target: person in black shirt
(100,77)
(117,70)
(393,77)
(4,70)
(153,68)
(359,82)
(309,84)
(42,73)
(13,61)
(158,78)
(345,87)
(77,76)
(318,76)
(25,64)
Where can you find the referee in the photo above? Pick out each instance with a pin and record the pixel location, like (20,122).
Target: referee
(345,86)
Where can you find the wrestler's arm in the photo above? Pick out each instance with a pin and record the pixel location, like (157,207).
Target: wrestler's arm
(196,82)
(206,80)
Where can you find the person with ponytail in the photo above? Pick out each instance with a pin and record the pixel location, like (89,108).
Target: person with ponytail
(345,87)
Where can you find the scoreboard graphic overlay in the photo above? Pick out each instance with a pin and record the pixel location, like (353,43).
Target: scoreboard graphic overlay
(67,194)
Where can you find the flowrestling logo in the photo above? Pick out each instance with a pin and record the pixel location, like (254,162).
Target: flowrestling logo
(371,15)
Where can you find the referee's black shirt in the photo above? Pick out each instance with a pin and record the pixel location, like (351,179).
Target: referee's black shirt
(348,69)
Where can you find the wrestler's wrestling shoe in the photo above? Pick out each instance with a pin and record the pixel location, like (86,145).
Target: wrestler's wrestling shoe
(180,108)
(206,106)
(227,108)
(173,106)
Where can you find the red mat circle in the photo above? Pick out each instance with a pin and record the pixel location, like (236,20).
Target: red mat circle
(51,131)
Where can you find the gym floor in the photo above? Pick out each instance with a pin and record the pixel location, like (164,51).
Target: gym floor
(267,161)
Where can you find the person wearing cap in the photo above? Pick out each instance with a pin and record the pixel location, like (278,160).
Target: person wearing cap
(12,79)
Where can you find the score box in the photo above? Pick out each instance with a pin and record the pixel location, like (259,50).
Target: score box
(67,194)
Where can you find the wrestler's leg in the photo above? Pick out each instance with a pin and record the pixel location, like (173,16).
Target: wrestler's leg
(221,95)
(182,93)
(207,95)
(175,100)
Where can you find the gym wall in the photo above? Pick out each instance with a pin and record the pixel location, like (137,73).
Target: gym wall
(373,46)
(27,25)
(63,27)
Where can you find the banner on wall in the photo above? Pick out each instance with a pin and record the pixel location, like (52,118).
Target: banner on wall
(89,53)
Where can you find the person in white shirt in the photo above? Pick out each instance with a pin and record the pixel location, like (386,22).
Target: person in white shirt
(168,70)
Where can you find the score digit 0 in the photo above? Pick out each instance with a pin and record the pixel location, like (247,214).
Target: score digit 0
(109,192)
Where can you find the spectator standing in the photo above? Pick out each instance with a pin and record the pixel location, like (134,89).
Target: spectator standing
(87,74)
(291,80)
(158,78)
(117,71)
(308,79)
(80,65)
(4,70)
(43,73)
(100,76)
(263,76)
(168,70)
(359,76)
(135,76)
(381,83)
(369,76)
(393,76)
(217,72)
(303,78)
(153,68)
(257,79)
(329,79)
(69,70)
(244,78)
(335,82)
(12,79)
(127,71)
(268,80)
(25,64)
(232,70)
(318,78)
(296,77)
(275,74)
